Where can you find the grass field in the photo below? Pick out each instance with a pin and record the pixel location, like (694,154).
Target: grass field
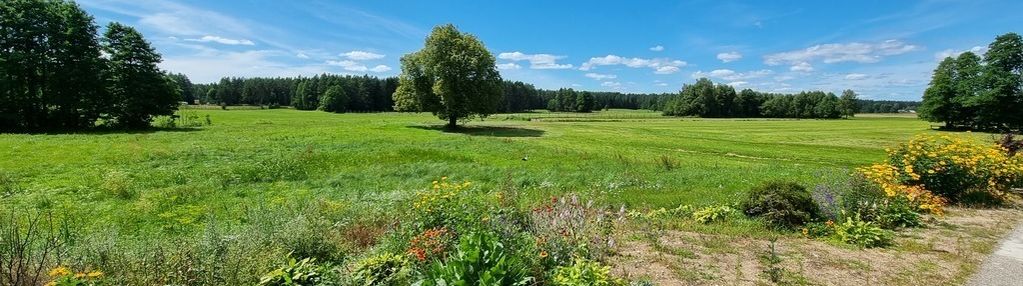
(168,181)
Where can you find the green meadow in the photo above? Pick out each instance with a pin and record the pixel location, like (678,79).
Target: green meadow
(169,181)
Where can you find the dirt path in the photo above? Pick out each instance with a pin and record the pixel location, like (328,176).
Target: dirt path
(1005,265)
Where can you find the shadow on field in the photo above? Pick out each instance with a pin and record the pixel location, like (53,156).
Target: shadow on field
(490,131)
(107,131)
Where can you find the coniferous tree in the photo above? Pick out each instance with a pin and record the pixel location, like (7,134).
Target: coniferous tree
(138,88)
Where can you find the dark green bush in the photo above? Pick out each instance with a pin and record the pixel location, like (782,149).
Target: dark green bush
(870,204)
(781,204)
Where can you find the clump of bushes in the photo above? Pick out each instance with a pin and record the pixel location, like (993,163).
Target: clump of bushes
(781,204)
(932,171)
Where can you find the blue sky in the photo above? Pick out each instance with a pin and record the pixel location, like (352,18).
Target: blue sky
(881,49)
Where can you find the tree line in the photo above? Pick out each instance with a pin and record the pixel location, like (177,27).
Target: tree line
(58,72)
(705,99)
(971,92)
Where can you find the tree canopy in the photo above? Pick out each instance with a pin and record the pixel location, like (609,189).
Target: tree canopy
(454,76)
(968,91)
(57,73)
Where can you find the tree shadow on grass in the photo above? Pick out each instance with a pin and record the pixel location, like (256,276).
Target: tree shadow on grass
(106,131)
(489,131)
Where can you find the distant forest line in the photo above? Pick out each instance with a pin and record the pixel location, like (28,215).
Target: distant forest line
(374,94)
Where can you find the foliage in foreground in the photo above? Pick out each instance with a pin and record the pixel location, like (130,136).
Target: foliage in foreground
(931,171)
(781,204)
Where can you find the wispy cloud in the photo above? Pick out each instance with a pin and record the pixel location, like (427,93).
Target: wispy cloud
(536,61)
(657,48)
(839,52)
(508,66)
(729,57)
(939,56)
(362,55)
(598,76)
(660,66)
(221,40)
(730,75)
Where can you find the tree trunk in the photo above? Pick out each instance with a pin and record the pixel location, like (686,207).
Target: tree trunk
(452,122)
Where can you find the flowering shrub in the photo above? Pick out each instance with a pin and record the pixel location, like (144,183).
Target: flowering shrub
(446,204)
(430,245)
(931,171)
(63,276)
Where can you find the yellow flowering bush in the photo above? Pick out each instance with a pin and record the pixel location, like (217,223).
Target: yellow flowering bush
(63,276)
(447,203)
(932,171)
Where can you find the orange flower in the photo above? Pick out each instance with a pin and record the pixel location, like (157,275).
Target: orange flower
(543,254)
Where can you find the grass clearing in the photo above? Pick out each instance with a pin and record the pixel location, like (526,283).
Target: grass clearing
(323,184)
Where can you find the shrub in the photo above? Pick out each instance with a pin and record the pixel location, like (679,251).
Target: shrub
(781,204)
(384,269)
(296,272)
(712,213)
(862,233)
(819,229)
(583,272)
(871,204)
(63,276)
(480,259)
(431,244)
(446,204)
(932,170)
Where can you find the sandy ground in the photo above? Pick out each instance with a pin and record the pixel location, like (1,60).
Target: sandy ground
(945,252)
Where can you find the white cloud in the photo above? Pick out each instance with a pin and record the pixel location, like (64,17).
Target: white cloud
(508,66)
(221,40)
(836,53)
(612,84)
(598,76)
(939,56)
(660,66)
(211,65)
(730,75)
(536,61)
(361,56)
(801,67)
(729,57)
(380,68)
(657,48)
(349,65)
(302,55)
(856,76)
(738,83)
(576,85)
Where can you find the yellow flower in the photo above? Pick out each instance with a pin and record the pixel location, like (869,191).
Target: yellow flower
(59,271)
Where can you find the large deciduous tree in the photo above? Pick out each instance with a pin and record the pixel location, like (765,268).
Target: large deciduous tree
(139,89)
(453,77)
(970,92)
